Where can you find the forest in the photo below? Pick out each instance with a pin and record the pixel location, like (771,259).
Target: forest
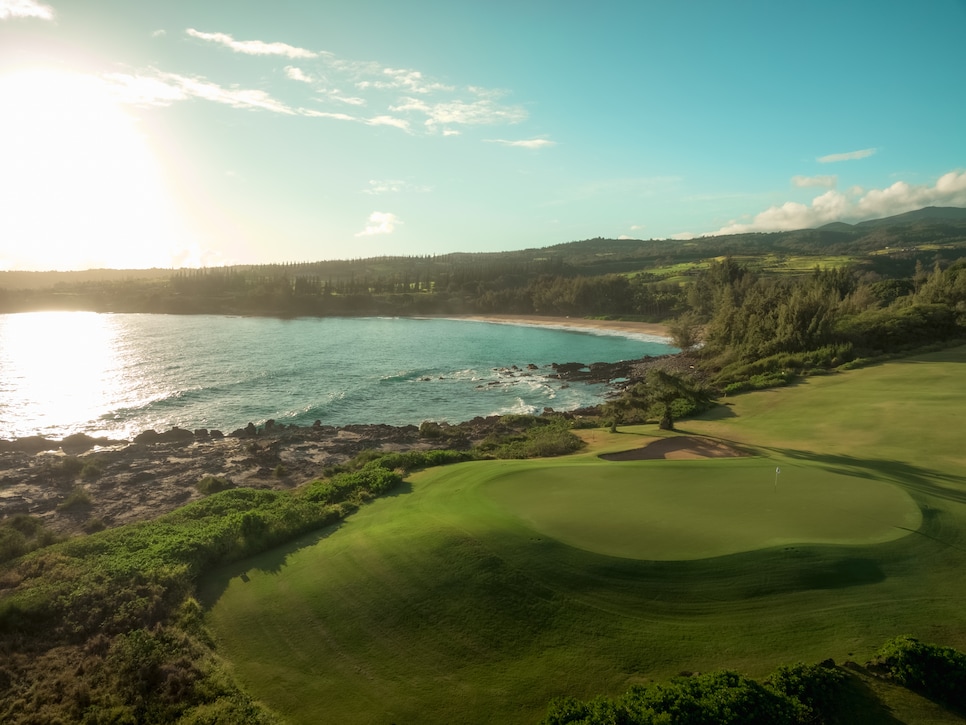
(632,279)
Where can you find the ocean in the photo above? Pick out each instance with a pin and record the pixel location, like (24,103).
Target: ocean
(117,375)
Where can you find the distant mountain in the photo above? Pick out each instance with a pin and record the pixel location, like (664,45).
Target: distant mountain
(927,215)
(836,227)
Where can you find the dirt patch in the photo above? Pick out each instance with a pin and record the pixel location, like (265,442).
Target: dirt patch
(678,448)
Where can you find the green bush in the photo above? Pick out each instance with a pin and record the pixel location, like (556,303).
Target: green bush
(212,484)
(818,688)
(722,698)
(22,533)
(76,500)
(539,441)
(896,329)
(937,672)
(12,543)
(70,466)
(430,429)
(92,470)
(370,480)
(759,382)
(93,525)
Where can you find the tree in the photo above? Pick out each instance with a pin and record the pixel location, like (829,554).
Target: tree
(658,394)
(685,331)
(664,388)
(621,409)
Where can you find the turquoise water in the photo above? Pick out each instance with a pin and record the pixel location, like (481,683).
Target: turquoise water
(118,375)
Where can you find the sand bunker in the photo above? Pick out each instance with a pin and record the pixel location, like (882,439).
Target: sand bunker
(678,448)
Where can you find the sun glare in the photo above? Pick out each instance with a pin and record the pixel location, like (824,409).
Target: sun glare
(80,186)
(42,379)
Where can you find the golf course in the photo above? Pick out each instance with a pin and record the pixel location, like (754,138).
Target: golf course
(800,523)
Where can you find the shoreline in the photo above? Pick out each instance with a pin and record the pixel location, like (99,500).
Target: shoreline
(646,329)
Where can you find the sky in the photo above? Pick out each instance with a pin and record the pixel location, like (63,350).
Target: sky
(138,134)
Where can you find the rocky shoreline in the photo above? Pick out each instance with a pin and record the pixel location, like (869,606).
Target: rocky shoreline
(83,484)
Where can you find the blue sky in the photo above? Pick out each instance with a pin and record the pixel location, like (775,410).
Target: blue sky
(138,134)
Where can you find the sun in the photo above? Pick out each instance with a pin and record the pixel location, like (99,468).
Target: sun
(81,188)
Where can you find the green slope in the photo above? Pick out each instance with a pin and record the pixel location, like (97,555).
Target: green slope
(448,603)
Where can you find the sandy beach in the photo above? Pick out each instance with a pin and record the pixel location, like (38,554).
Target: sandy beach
(577,323)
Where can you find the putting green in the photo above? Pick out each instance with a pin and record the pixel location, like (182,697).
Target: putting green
(666,511)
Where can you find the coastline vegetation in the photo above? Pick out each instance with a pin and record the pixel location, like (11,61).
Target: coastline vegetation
(111,627)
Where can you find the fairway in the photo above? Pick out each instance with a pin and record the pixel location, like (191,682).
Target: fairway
(480,591)
(665,510)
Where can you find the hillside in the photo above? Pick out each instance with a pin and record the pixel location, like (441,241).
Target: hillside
(893,243)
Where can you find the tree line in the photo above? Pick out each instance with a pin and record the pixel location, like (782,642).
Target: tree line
(751,325)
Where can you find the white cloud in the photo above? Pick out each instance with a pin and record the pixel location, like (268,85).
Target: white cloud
(856,205)
(162,89)
(638,227)
(144,90)
(380,222)
(311,113)
(803,182)
(402,98)
(392,186)
(297,74)
(478,112)
(412,81)
(159,33)
(848,156)
(348,100)
(235,97)
(533,143)
(481,112)
(388,121)
(25,9)
(253,47)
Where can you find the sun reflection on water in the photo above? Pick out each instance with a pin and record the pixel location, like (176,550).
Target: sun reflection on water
(57,369)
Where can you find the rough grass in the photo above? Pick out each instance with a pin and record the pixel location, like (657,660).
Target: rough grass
(437,605)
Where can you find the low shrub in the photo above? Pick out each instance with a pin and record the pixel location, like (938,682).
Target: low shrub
(819,688)
(94,524)
(759,382)
(92,470)
(79,498)
(212,484)
(430,429)
(69,466)
(936,672)
(22,533)
(548,439)
(723,698)
(372,479)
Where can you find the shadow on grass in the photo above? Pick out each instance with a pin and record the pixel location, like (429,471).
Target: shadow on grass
(273,560)
(914,478)
(721,411)
(860,704)
(214,584)
(952,355)
(842,573)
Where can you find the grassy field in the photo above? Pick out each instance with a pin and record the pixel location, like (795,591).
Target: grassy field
(479,591)
(676,510)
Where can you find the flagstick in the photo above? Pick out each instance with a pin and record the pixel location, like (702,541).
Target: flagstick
(777,471)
